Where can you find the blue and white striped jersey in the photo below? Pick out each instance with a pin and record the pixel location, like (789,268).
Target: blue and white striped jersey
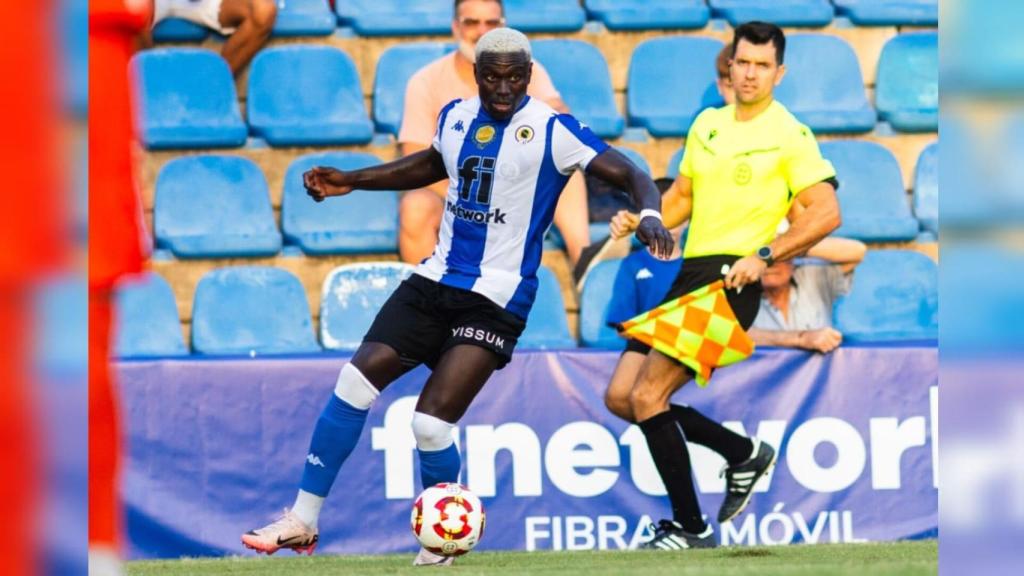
(504,179)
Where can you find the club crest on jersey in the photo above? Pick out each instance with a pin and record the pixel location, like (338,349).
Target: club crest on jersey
(484,135)
(742,174)
(524,134)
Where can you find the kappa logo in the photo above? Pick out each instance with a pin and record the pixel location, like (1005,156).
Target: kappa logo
(644,274)
(459,127)
(315,460)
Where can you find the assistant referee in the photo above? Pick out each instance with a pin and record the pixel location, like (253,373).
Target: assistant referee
(744,167)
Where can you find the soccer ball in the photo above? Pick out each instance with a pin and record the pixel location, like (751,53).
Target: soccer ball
(448,519)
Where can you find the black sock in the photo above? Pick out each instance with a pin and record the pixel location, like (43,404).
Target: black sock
(668,448)
(702,430)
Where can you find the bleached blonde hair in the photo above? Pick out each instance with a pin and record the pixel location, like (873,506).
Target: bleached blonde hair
(503,41)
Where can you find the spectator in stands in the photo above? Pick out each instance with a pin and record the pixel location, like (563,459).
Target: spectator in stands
(437,84)
(246,23)
(796,306)
(640,284)
(723,81)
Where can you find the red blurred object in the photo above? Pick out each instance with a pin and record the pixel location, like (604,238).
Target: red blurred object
(115,242)
(33,242)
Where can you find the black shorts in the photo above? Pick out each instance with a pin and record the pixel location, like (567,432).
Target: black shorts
(701,271)
(423,319)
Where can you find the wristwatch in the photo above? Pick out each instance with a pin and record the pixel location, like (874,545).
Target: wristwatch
(766,255)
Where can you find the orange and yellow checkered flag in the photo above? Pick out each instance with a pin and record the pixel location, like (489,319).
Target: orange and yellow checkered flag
(699,329)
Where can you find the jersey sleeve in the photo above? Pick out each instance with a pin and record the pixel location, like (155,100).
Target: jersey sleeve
(439,126)
(623,304)
(803,164)
(573,145)
(541,87)
(419,121)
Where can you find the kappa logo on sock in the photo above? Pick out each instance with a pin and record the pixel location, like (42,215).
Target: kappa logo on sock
(315,460)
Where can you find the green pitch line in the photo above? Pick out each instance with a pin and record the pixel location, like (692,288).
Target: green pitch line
(895,559)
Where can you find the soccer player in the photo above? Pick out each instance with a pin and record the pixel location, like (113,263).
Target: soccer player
(743,168)
(506,157)
(438,83)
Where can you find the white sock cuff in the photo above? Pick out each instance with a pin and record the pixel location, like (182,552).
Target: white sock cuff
(432,433)
(354,388)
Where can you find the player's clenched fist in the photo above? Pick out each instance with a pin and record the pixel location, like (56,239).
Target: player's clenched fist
(322,182)
(623,224)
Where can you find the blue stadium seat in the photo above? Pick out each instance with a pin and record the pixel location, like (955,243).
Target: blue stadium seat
(179,30)
(394,68)
(580,73)
(351,297)
(147,319)
(358,223)
(594,300)
(894,297)
(986,315)
(187,100)
(545,15)
(889,12)
(871,194)
(823,85)
(907,93)
(61,328)
(782,12)
(304,18)
(649,14)
(926,188)
(251,310)
(987,57)
(214,207)
(396,17)
(306,95)
(547,326)
(671,80)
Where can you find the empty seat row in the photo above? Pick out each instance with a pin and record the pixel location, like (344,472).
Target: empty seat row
(894,297)
(210,206)
(258,310)
(310,95)
(426,17)
(219,206)
(254,310)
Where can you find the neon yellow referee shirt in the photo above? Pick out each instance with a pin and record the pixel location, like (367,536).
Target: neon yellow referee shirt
(745,177)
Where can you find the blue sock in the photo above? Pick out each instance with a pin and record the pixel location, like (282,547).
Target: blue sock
(439,466)
(337,431)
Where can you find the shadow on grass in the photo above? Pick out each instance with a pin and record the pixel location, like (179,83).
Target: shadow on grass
(751,553)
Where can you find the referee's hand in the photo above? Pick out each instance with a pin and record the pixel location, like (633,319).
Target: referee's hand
(323,182)
(745,271)
(653,233)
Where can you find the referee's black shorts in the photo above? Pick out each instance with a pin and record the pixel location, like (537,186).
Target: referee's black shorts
(701,271)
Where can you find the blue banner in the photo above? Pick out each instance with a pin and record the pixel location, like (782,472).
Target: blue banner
(217,448)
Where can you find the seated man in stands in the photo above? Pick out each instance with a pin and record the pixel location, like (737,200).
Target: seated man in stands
(246,23)
(796,306)
(438,83)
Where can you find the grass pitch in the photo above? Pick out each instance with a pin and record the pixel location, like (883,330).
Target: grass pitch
(889,559)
